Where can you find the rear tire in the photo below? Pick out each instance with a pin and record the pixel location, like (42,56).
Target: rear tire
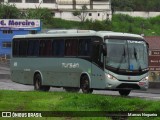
(85,84)
(38,84)
(124,92)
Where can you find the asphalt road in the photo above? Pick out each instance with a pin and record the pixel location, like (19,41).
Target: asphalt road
(7,84)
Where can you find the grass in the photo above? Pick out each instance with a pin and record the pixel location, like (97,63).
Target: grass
(63,101)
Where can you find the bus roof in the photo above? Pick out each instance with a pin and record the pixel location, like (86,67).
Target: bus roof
(79,33)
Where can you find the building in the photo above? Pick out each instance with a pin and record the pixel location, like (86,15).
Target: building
(11,27)
(96,9)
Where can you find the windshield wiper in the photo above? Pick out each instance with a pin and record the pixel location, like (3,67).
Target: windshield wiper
(135,55)
(122,57)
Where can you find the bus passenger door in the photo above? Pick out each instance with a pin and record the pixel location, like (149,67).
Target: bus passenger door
(97,66)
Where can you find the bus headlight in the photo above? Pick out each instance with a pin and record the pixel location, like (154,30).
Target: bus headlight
(145,79)
(111,77)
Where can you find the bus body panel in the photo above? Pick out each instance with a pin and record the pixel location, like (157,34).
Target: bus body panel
(98,77)
(54,71)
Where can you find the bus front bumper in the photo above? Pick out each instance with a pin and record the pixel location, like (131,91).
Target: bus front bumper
(119,85)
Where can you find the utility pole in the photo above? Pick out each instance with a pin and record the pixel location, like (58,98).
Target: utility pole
(91,4)
(74,4)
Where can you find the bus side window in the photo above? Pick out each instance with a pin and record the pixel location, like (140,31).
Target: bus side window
(15,48)
(23,48)
(71,47)
(58,48)
(42,48)
(84,47)
(97,52)
(48,47)
(33,47)
(30,47)
(36,48)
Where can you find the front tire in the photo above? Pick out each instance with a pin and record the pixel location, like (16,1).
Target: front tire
(38,84)
(124,92)
(85,85)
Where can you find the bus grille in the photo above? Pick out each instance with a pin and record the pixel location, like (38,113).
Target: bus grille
(128,86)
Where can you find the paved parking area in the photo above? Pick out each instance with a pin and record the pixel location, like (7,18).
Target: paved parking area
(151,94)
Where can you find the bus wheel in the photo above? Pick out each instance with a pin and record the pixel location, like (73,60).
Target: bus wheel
(38,84)
(85,85)
(68,89)
(124,92)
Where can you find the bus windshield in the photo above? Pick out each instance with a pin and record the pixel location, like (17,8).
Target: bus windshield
(128,55)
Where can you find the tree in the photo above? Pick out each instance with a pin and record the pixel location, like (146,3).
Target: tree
(39,13)
(8,11)
(81,14)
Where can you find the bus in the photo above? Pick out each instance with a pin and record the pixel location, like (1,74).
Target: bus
(81,59)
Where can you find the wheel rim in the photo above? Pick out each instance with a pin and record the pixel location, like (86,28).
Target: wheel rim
(37,84)
(85,85)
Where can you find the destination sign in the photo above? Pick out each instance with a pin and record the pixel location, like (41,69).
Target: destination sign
(155,52)
(154,68)
(20,24)
(154,60)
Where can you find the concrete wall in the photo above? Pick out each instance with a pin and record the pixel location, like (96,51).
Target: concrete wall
(95,15)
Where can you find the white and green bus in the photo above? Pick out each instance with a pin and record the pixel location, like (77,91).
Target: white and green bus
(86,60)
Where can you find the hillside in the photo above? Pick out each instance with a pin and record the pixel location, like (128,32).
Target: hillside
(135,5)
(119,23)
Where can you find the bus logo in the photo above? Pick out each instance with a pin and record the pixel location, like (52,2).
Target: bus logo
(70,65)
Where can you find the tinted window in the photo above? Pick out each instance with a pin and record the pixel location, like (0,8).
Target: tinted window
(22,47)
(58,48)
(15,47)
(84,47)
(17,1)
(97,51)
(6,45)
(42,48)
(48,48)
(33,47)
(45,47)
(71,47)
(32,1)
(49,1)
(7,31)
